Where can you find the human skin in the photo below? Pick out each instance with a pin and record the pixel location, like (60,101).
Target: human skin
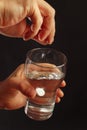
(16,89)
(13,15)
(13,23)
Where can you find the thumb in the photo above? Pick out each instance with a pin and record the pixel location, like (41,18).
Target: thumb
(23,86)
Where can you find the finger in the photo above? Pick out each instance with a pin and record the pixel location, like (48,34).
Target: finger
(47,32)
(32,30)
(48,14)
(27,89)
(39,41)
(50,37)
(59,93)
(63,84)
(18,81)
(58,99)
(23,86)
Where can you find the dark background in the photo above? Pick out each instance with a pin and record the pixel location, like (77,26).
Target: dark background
(71,38)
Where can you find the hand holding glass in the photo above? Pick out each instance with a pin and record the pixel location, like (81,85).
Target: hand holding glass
(45,68)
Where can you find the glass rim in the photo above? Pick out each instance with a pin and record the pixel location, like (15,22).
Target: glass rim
(36,63)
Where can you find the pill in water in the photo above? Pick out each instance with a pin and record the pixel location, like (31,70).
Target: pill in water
(40,91)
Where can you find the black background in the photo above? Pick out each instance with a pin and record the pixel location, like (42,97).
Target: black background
(71,38)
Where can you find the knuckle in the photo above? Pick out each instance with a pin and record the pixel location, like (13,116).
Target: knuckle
(37,26)
(40,21)
(52,12)
(21,66)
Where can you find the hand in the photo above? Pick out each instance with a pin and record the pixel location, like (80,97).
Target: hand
(59,92)
(13,20)
(16,89)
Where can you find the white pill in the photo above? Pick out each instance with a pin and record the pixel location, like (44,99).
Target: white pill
(40,91)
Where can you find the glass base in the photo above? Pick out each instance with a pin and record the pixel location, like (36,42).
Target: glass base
(38,117)
(38,112)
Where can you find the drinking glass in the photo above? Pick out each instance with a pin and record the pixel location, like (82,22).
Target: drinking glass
(45,68)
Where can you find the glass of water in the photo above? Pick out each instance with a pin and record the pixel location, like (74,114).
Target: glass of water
(45,68)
